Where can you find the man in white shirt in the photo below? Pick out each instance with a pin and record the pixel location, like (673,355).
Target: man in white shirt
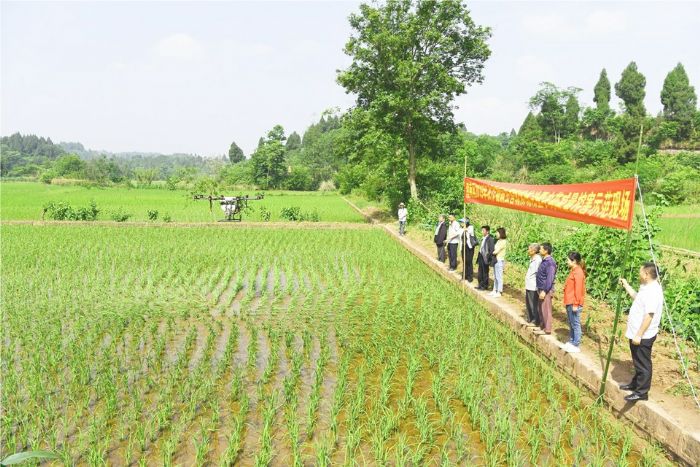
(532,300)
(642,327)
(403,217)
(454,231)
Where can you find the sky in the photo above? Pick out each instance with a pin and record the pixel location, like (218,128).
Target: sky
(191,77)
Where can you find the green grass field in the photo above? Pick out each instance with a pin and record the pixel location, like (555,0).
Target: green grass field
(25,201)
(680,232)
(684,209)
(187,346)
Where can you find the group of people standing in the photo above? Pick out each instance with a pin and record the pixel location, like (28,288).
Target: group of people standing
(644,316)
(539,278)
(490,251)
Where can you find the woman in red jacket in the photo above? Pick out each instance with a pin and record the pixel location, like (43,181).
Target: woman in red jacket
(574,293)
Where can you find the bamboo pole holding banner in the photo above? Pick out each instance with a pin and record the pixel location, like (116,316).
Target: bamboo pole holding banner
(618,298)
(464,215)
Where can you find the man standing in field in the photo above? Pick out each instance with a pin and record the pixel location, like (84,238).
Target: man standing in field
(484,258)
(453,235)
(403,217)
(642,328)
(440,237)
(532,301)
(546,274)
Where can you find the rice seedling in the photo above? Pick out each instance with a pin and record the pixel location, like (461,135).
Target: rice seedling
(161,347)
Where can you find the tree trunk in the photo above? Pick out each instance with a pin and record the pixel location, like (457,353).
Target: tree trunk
(412,170)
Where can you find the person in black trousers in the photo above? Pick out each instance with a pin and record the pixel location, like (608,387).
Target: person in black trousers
(642,327)
(484,258)
(468,245)
(440,237)
(453,235)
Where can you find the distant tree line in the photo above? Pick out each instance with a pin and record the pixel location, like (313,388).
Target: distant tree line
(30,156)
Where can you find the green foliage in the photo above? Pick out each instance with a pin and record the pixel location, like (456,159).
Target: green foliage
(410,60)
(299,178)
(601,93)
(293,142)
(268,161)
(602,248)
(530,129)
(630,89)
(145,176)
(120,215)
(69,166)
(152,214)
(558,110)
(296,214)
(683,299)
(20,457)
(235,154)
(573,110)
(22,154)
(265,214)
(62,211)
(679,100)
(237,174)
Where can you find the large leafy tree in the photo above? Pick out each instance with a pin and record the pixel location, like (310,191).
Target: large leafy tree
(530,129)
(293,142)
(679,99)
(601,92)
(630,89)
(410,59)
(235,154)
(558,110)
(269,167)
(573,111)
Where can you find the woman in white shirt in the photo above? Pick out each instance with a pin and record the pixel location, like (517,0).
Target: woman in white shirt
(499,252)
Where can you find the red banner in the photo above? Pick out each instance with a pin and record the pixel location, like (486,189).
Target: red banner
(604,203)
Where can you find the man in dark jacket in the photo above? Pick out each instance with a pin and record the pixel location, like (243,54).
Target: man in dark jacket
(440,237)
(484,259)
(546,274)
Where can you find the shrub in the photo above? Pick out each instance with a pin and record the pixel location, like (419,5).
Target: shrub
(120,216)
(295,214)
(291,213)
(152,215)
(62,211)
(166,217)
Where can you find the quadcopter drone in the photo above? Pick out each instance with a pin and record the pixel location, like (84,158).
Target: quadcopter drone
(232,206)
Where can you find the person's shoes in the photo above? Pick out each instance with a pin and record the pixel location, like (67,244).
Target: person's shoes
(573,349)
(566,347)
(497,295)
(634,397)
(539,332)
(492,293)
(628,387)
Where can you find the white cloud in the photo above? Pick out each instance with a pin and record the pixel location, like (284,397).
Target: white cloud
(534,69)
(179,46)
(605,22)
(237,49)
(546,25)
